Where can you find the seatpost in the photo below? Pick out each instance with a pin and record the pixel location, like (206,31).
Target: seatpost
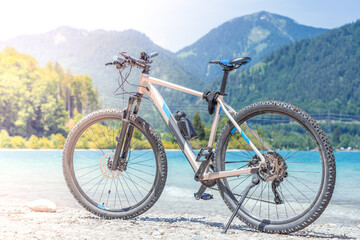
(223,84)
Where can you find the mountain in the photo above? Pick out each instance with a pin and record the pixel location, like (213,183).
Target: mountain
(253,36)
(320,75)
(86,53)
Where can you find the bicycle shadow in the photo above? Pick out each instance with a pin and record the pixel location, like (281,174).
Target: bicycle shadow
(220,226)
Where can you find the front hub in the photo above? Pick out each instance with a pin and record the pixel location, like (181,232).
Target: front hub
(105,164)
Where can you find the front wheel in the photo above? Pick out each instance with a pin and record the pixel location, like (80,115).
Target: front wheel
(299,177)
(88,154)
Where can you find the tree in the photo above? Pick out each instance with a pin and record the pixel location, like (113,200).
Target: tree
(336,136)
(199,126)
(34,99)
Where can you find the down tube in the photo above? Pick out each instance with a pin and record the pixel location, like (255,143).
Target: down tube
(171,122)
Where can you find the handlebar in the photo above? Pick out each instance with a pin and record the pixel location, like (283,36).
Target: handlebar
(143,62)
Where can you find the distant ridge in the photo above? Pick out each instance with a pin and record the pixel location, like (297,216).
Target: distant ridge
(85,52)
(252,35)
(321,75)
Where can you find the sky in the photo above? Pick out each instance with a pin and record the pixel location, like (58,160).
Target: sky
(172,24)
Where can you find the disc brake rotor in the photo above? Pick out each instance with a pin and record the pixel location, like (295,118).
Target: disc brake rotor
(105,166)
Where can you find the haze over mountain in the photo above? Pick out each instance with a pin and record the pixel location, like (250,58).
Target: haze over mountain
(252,36)
(87,52)
(320,75)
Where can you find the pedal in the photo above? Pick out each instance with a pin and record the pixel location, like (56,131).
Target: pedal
(205,152)
(209,155)
(205,196)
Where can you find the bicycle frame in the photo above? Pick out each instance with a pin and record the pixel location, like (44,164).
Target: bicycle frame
(146,86)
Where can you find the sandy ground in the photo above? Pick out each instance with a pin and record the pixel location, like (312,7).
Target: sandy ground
(19,222)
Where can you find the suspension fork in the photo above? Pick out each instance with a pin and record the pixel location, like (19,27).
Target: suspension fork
(126,132)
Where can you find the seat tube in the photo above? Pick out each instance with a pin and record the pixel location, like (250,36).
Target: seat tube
(214,125)
(223,84)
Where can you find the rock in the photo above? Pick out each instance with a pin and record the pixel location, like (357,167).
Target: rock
(42,205)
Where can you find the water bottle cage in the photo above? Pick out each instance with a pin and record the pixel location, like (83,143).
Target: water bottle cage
(185,126)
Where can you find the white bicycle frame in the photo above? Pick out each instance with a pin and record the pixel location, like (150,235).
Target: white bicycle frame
(146,86)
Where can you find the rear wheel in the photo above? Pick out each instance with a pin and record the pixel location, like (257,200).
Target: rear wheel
(87,157)
(298,181)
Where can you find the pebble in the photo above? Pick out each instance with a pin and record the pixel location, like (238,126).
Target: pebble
(76,223)
(42,205)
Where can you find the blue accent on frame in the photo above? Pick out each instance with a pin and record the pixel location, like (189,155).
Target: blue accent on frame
(115,58)
(101,206)
(219,110)
(245,137)
(242,134)
(166,110)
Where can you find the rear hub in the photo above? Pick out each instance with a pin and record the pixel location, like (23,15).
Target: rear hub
(274,169)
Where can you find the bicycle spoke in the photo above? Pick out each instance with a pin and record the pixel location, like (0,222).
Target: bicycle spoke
(139,177)
(88,173)
(95,143)
(137,162)
(304,183)
(144,165)
(135,184)
(298,190)
(129,188)
(109,192)
(301,154)
(117,193)
(92,180)
(140,156)
(92,166)
(141,171)
(293,197)
(103,190)
(105,136)
(239,154)
(240,182)
(124,191)
(260,197)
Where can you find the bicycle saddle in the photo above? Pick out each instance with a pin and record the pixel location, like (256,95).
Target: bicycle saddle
(236,63)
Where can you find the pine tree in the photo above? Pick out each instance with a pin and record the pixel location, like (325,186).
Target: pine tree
(199,126)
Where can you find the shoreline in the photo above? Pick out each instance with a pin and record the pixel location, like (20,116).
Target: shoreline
(170,150)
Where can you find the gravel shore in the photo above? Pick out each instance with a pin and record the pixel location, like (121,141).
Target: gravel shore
(19,222)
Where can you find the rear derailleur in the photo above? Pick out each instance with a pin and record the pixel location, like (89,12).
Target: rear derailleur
(274,170)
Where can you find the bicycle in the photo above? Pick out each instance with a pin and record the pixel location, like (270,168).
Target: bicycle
(273,164)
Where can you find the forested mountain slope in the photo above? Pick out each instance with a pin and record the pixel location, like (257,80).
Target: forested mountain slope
(253,36)
(320,75)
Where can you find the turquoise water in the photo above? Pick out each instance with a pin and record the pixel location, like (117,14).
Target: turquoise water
(29,175)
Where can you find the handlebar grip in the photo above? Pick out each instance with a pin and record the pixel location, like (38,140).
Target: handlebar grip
(153,54)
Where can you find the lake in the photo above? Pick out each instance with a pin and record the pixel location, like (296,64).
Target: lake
(27,175)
